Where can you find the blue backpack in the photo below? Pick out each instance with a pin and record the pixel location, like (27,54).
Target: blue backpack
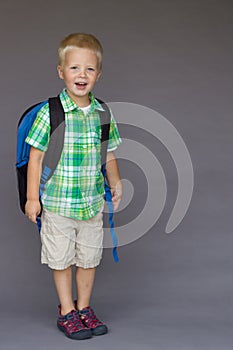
(53,153)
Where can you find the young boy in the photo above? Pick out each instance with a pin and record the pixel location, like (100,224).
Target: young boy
(72,227)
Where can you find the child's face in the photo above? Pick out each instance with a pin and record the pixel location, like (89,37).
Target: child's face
(80,72)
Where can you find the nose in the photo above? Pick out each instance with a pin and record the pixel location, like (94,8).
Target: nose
(82,73)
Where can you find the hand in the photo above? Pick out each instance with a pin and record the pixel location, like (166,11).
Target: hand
(32,209)
(116,195)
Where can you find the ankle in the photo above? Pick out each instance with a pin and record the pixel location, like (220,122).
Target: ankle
(82,306)
(66,310)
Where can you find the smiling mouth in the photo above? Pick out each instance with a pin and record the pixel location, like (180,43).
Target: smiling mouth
(80,84)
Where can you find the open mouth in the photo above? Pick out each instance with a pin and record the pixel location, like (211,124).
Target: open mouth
(80,84)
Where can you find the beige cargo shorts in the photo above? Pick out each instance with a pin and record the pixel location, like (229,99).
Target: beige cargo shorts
(67,241)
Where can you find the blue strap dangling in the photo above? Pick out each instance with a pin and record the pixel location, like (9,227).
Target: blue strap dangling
(38,222)
(108,199)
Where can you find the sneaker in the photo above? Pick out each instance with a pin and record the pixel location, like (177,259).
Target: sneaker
(90,320)
(72,326)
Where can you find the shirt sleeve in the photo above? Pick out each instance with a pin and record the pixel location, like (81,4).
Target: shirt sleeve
(114,136)
(39,134)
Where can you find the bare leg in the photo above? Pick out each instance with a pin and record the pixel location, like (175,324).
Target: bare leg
(84,284)
(63,283)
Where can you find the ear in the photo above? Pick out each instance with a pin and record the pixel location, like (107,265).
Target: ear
(60,72)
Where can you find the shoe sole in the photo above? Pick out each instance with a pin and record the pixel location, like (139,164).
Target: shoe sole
(81,335)
(100,330)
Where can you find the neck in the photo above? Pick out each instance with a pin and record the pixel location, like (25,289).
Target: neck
(80,101)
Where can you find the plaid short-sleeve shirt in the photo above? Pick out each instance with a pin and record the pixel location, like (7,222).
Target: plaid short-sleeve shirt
(77,186)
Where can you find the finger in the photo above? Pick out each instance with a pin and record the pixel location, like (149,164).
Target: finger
(32,217)
(116,205)
(115,196)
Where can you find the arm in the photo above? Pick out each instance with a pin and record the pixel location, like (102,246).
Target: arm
(113,178)
(33,207)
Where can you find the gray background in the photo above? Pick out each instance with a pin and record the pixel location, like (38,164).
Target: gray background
(167,292)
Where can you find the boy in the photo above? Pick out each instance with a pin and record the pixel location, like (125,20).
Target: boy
(72,231)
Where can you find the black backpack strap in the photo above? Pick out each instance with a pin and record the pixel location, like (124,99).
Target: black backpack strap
(57,132)
(57,114)
(105,117)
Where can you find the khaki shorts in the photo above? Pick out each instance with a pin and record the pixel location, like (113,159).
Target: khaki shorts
(67,241)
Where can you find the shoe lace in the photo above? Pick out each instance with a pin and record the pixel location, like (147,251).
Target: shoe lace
(73,322)
(89,318)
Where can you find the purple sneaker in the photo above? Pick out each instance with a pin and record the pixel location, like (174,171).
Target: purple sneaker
(90,320)
(72,326)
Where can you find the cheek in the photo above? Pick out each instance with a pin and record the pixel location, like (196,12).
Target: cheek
(67,77)
(94,79)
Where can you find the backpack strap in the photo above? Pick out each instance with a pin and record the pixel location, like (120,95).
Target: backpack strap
(105,118)
(56,142)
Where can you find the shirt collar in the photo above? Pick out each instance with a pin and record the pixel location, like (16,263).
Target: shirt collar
(69,105)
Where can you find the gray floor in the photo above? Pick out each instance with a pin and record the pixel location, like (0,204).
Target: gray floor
(169,292)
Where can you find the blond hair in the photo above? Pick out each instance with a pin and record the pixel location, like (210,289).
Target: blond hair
(80,40)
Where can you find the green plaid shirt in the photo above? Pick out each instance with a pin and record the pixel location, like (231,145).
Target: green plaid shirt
(77,186)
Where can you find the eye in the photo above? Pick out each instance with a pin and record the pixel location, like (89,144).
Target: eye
(91,69)
(74,67)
